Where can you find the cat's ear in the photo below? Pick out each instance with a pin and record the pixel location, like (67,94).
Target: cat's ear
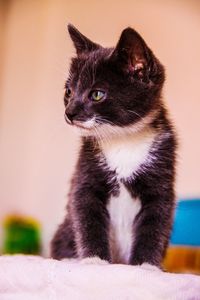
(132,53)
(81,43)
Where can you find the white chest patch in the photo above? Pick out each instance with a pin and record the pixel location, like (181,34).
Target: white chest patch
(125,154)
(122,210)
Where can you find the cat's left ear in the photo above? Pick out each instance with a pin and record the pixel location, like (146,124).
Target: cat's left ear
(81,43)
(132,53)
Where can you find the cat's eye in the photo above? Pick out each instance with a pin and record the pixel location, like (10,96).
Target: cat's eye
(68,92)
(97,95)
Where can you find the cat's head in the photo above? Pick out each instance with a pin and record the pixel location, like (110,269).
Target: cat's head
(112,90)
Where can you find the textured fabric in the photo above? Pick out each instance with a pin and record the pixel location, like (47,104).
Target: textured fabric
(28,278)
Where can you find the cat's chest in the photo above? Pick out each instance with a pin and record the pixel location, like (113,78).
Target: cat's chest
(126,155)
(122,209)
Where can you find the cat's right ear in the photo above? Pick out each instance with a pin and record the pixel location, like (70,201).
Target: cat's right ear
(132,54)
(81,43)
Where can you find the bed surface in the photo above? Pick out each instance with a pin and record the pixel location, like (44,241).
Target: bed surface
(29,277)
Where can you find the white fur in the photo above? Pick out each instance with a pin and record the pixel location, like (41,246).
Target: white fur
(125,154)
(89,124)
(107,130)
(124,150)
(122,210)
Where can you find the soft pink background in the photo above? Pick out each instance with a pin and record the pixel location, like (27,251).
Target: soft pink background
(37,149)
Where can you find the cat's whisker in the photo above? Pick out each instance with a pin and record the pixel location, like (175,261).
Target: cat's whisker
(98,135)
(101,134)
(113,130)
(106,131)
(133,112)
(103,121)
(110,126)
(98,130)
(106,135)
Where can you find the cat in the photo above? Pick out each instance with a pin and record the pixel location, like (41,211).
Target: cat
(122,198)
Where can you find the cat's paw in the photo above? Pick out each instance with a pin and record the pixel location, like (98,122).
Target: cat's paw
(149,267)
(95,260)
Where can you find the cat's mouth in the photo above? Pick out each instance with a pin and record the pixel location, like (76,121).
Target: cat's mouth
(87,125)
(81,125)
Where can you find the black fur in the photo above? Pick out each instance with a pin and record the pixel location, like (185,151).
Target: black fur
(132,79)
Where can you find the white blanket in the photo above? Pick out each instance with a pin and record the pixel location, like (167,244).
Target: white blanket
(31,278)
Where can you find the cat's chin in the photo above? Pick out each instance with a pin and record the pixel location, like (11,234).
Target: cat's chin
(80,126)
(87,125)
(83,131)
(85,128)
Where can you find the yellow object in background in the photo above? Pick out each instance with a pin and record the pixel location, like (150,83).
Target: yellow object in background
(21,235)
(182,259)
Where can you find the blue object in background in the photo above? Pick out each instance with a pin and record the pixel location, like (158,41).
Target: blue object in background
(186,228)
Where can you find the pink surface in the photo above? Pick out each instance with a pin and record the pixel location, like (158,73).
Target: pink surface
(28,277)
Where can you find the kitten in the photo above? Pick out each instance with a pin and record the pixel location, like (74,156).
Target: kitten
(121,201)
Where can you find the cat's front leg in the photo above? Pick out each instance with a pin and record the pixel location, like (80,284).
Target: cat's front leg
(90,223)
(153,227)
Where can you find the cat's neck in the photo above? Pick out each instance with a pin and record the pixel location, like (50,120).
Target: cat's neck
(126,153)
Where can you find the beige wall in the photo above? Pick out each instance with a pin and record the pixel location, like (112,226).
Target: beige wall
(37,149)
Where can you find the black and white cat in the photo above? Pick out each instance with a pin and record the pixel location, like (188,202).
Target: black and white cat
(122,197)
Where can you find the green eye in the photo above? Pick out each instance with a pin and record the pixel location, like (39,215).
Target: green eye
(97,95)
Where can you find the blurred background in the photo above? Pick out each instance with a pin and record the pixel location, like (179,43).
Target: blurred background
(37,149)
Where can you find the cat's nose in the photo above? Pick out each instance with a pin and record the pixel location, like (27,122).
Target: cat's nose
(70,116)
(73,111)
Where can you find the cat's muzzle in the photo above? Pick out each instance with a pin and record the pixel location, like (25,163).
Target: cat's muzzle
(67,119)
(88,124)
